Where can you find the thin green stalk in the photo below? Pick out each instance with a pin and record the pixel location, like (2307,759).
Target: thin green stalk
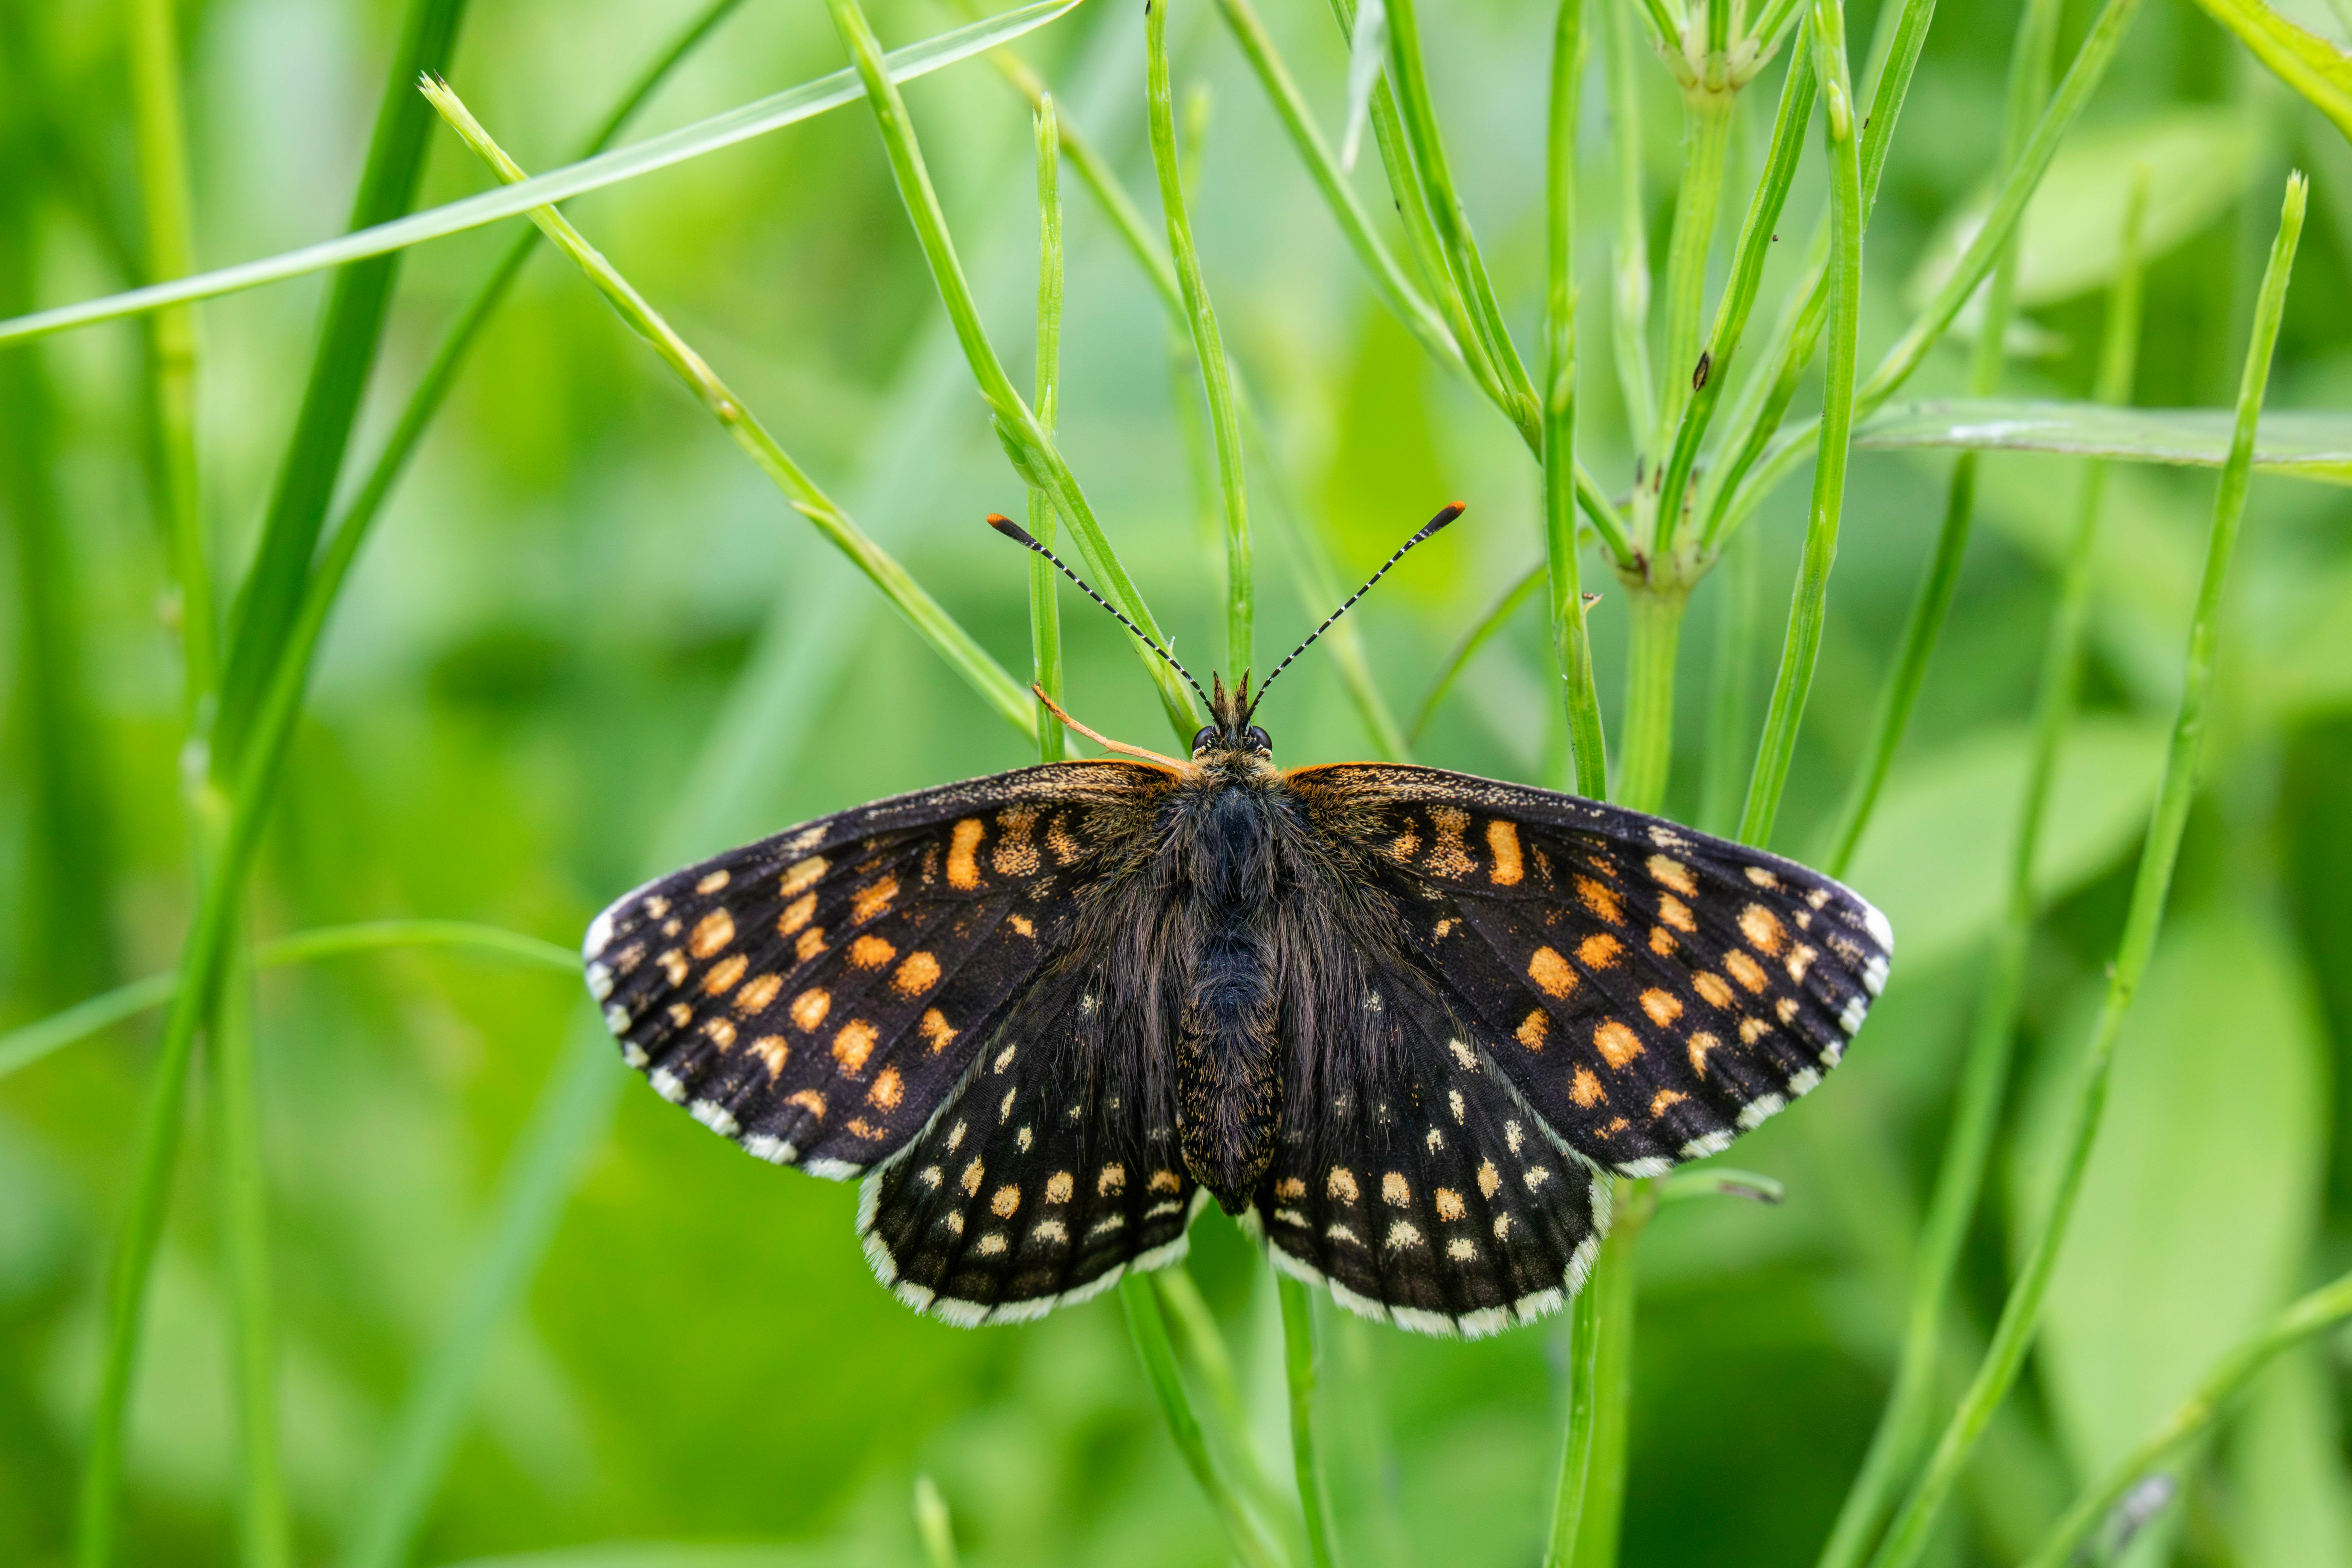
(939,628)
(1388,278)
(2322,1309)
(1906,1537)
(1150,1331)
(1571,638)
(1030,450)
(1298,1361)
(1044,602)
(1601,1516)
(1797,92)
(1903,1424)
(263,616)
(933,1524)
(1629,296)
(1481,631)
(1454,239)
(1745,486)
(265,1530)
(1654,632)
(1576,1446)
(1732,659)
(160,122)
(1208,343)
(1809,603)
(1896,39)
(1698,198)
(2029,88)
(1196,1327)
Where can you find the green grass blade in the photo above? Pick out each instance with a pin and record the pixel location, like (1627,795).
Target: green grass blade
(1601,1512)
(1906,1537)
(1730,660)
(262,617)
(1045,583)
(1148,1329)
(2029,86)
(933,1524)
(1629,296)
(1698,198)
(1575,1447)
(160,124)
(1032,453)
(2315,68)
(2314,1314)
(1572,639)
(1208,344)
(932,623)
(1298,1363)
(720,130)
(1481,631)
(1195,1328)
(2304,444)
(1809,604)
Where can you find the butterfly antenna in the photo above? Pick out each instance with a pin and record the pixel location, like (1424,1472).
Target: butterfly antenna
(1021,536)
(1452,509)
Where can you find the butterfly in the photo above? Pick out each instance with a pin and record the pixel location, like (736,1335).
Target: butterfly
(1403,1023)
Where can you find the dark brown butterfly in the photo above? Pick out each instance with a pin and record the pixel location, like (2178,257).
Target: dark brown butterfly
(1402,1022)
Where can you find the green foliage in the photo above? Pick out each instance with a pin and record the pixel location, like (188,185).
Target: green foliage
(405,1269)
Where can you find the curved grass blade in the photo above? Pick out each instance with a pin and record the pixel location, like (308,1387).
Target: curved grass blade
(2303,444)
(720,130)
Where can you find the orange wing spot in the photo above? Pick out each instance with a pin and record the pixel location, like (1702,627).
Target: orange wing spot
(1342,1185)
(1112,1181)
(712,883)
(673,966)
(1059,1186)
(655,908)
(1801,959)
(1698,1045)
(1752,1030)
(1602,899)
(1444,928)
(1290,1187)
(1676,913)
(1016,855)
(937,1032)
(1616,1125)
(680,1014)
(811,943)
(1405,846)
(721,1033)
(796,914)
(1533,1027)
(888,1089)
(1663,1006)
(1503,844)
(1490,1180)
(1667,871)
(1785,1010)
(772,1049)
(725,973)
(1022,924)
(1661,941)
(871,953)
(1762,929)
(810,1100)
(917,975)
(1064,847)
(712,932)
(802,875)
(1165,1182)
(1395,1190)
(1599,950)
(757,992)
(1447,857)
(1450,1205)
(1550,971)
(1663,1099)
(963,871)
(1710,986)
(1617,1044)
(1585,1088)
(1007,1200)
(853,1044)
(862,1128)
(972,1178)
(872,899)
(1746,970)
(810,1007)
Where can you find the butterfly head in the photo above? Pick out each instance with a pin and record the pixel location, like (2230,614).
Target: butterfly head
(1233,732)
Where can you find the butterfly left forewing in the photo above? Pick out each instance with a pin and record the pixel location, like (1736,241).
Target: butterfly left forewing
(818,996)
(1652,991)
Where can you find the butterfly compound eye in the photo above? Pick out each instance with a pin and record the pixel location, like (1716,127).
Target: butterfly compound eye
(1202,736)
(1258,741)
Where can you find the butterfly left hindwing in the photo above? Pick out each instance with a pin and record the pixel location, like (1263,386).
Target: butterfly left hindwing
(818,996)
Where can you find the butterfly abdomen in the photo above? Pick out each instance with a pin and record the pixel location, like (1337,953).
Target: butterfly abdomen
(1228,1052)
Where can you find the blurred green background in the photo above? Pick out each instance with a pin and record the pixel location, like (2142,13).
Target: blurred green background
(582,593)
